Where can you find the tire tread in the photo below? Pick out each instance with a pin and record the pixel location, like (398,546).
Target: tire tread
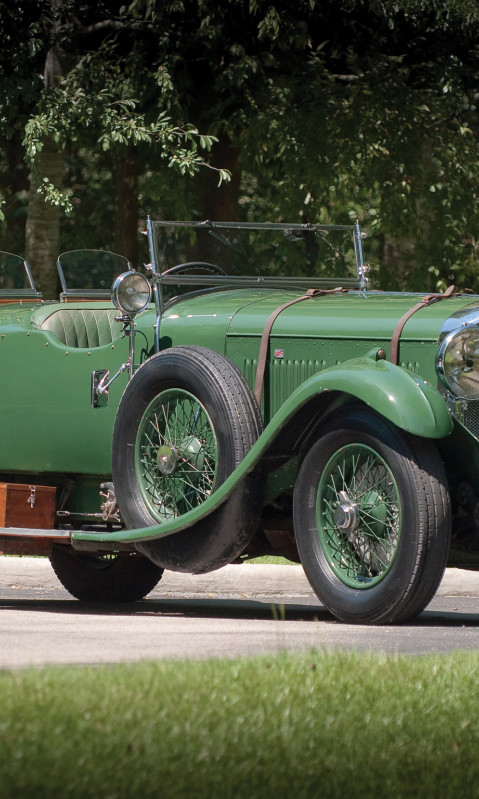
(425,479)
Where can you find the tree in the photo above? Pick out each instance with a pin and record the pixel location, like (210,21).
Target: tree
(326,111)
(92,95)
(19,89)
(337,109)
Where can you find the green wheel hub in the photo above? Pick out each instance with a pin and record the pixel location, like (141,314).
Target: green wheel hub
(358,515)
(175,454)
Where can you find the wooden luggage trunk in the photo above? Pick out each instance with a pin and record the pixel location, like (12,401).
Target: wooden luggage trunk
(29,506)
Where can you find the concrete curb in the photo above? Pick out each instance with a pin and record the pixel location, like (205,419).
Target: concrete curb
(244,580)
(459,582)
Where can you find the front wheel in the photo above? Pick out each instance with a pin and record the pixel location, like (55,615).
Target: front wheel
(372,519)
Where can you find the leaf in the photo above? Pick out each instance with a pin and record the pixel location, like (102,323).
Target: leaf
(224,176)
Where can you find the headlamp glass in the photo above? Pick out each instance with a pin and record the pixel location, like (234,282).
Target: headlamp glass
(458,362)
(131,292)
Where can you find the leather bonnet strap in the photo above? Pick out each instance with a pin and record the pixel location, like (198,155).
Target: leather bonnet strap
(264,345)
(429,299)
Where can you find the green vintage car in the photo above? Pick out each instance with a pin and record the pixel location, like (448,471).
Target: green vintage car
(201,412)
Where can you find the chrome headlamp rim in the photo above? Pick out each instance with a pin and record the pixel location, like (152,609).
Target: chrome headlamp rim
(120,287)
(453,386)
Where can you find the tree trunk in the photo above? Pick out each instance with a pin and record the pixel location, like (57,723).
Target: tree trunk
(405,261)
(126,216)
(43,223)
(14,184)
(219,204)
(397,260)
(42,234)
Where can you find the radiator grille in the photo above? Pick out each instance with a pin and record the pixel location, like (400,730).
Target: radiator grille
(469,417)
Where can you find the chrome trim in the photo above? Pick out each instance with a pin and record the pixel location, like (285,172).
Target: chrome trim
(362,282)
(460,321)
(440,354)
(361,267)
(116,287)
(465,317)
(155,279)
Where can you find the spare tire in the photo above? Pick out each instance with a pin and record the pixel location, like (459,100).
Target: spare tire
(186,420)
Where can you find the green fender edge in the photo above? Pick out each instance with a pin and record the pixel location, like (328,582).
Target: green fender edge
(403,398)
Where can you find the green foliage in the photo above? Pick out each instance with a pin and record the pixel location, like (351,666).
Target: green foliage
(324,111)
(340,110)
(442,13)
(99,100)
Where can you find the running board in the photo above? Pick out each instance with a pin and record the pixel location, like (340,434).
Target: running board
(28,532)
(28,541)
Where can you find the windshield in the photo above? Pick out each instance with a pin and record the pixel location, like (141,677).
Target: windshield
(258,249)
(90,272)
(15,276)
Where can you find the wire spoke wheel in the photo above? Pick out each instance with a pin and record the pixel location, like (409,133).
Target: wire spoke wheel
(358,515)
(371,518)
(176,454)
(186,420)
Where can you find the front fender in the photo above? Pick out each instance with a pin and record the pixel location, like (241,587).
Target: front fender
(405,399)
(400,396)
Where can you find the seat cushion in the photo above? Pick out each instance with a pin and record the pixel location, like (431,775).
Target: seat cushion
(80,327)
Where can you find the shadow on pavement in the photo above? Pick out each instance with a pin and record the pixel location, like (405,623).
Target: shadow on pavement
(247,609)
(207,608)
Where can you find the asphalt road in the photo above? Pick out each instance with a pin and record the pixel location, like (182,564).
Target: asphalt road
(238,611)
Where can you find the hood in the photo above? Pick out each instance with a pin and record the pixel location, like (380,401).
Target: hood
(352,314)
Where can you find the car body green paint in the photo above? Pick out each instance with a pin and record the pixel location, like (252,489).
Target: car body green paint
(52,426)
(328,351)
(405,400)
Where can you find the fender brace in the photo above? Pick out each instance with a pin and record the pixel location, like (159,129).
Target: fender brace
(429,299)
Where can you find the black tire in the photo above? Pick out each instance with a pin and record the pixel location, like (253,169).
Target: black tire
(122,577)
(372,519)
(157,421)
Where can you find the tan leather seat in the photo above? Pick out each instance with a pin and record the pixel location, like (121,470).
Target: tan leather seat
(80,327)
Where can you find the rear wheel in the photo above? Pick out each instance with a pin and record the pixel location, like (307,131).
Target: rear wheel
(120,577)
(186,420)
(372,519)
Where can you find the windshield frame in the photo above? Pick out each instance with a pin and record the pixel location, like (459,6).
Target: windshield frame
(291,230)
(97,293)
(28,292)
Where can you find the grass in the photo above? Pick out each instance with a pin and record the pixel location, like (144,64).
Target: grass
(316,725)
(272,560)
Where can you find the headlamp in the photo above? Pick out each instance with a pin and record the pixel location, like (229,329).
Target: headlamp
(131,292)
(457,362)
